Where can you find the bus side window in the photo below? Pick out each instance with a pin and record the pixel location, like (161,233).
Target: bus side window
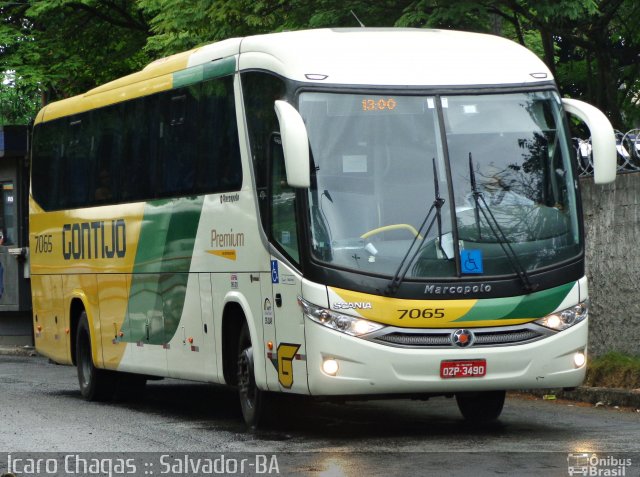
(46,156)
(260,90)
(107,137)
(137,178)
(76,163)
(218,167)
(177,143)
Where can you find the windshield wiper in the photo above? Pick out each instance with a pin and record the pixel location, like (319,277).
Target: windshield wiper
(497,231)
(437,204)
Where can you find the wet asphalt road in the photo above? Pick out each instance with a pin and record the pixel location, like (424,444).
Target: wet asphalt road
(41,410)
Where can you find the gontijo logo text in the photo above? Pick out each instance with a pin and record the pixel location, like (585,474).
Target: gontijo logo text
(92,240)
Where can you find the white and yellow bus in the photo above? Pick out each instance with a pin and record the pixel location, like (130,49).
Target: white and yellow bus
(335,213)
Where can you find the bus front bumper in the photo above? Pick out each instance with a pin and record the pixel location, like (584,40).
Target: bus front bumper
(368,368)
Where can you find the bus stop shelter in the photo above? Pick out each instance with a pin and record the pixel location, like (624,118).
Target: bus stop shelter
(15,295)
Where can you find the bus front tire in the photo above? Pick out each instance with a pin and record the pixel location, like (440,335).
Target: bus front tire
(481,407)
(253,401)
(95,384)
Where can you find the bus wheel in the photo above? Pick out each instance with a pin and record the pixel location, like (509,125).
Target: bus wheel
(481,407)
(95,384)
(252,399)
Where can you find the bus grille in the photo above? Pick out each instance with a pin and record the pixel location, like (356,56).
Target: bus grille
(442,338)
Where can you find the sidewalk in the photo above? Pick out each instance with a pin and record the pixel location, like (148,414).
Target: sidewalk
(597,396)
(17,351)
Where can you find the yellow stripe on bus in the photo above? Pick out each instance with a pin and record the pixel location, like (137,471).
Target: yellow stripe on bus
(154,78)
(401,312)
(80,104)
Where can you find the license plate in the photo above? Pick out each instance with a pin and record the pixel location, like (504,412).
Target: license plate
(474,368)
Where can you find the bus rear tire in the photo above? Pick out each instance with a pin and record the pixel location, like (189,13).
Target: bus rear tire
(253,401)
(95,384)
(481,407)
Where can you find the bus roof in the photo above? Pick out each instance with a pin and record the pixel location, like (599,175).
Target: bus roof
(346,56)
(395,56)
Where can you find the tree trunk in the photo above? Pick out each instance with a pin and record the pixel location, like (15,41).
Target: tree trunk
(549,53)
(608,101)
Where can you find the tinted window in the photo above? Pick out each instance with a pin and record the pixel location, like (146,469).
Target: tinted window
(260,91)
(47,151)
(176,143)
(107,134)
(137,164)
(219,153)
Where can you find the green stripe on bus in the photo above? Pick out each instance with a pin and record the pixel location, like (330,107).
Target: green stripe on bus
(224,67)
(168,234)
(207,71)
(535,305)
(161,270)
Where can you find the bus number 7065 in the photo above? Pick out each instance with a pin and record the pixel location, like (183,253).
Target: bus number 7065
(416,313)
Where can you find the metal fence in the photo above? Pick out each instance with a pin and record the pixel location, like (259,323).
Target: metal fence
(628,148)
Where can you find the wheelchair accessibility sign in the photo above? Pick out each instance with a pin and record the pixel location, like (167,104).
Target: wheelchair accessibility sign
(471,261)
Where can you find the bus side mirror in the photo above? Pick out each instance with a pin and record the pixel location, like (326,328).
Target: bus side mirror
(603,140)
(295,145)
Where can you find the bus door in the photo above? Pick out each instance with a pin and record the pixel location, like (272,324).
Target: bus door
(288,356)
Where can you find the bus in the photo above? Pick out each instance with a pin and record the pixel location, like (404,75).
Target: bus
(336,213)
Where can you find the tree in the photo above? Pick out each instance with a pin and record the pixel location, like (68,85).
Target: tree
(591,46)
(19,100)
(178,25)
(69,46)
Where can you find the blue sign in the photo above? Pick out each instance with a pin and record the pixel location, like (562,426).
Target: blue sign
(471,261)
(275,276)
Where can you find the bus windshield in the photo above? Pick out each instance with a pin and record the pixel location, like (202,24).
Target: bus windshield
(498,164)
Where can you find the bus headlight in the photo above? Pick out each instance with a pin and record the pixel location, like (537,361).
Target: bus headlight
(563,319)
(350,325)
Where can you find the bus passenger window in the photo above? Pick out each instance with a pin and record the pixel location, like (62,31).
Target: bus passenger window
(218,164)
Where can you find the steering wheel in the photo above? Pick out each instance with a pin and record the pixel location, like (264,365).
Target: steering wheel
(387,228)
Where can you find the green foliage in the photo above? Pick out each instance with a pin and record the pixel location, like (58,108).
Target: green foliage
(69,46)
(19,100)
(615,370)
(203,21)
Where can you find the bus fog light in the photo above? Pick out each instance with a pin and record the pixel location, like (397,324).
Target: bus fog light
(330,367)
(579,359)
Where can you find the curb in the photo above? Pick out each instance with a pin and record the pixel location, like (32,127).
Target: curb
(597,396)
(17,351)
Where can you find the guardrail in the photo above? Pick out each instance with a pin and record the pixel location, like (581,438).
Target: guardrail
(627,145)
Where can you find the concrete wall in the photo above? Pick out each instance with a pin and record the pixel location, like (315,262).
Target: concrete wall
(612,228)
